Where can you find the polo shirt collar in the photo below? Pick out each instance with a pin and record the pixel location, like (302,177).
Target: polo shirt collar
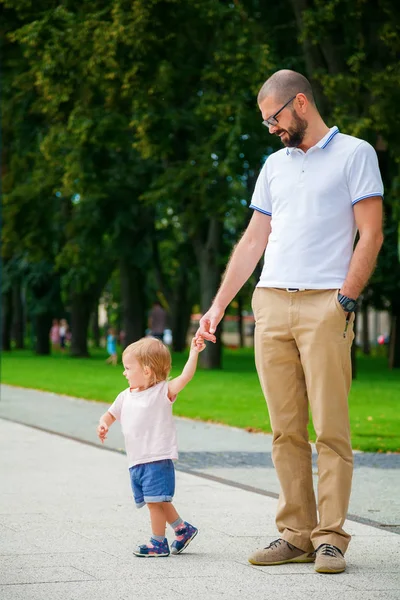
(322,143)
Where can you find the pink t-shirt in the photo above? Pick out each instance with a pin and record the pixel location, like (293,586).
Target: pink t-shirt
(147,424)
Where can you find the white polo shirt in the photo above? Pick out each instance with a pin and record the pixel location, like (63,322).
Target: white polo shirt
(310,197)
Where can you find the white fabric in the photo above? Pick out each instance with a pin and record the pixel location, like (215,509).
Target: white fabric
(147,424)
(310,197)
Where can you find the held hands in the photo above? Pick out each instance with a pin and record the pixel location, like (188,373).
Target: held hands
(197,345)
(102,431)
(209,323)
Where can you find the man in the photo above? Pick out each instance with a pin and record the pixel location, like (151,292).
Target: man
(157,320)
(309,200)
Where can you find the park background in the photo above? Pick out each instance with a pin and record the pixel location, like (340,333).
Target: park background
(131,143)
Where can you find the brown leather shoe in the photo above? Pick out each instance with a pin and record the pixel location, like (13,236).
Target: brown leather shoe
(329,559)
(280,552)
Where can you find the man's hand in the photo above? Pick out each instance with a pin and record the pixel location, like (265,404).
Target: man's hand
(102,431)
(208,324)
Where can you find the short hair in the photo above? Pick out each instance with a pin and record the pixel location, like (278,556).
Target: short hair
(285,84)
(152,353)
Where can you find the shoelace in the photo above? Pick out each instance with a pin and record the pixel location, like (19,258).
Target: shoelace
(277,543)
(328,550)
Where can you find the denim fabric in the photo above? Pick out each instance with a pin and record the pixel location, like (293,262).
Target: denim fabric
(153,482)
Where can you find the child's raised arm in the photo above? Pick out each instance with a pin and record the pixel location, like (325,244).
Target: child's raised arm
(177,384)
(105,423)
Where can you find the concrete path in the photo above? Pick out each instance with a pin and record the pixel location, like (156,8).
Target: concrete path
(68,526)
(226,453)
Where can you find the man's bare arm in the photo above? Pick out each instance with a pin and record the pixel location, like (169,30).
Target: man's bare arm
(369,220)
(241,265)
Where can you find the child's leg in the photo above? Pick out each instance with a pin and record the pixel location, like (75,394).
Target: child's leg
(158,544)
(171,515)
(184,532)
(157,519)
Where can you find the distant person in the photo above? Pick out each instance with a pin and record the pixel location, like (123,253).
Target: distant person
(167,339)
(310,199)
(55,335)
(157,321)
(112,346)
(144,410)
(63,334)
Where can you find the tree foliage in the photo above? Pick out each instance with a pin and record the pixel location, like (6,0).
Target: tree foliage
(132,139)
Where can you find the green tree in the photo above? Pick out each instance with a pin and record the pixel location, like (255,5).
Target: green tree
(72,63)
(194,110)
(355,63)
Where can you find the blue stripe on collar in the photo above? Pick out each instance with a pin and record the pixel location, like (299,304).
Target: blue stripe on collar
(335,130)
(322,143)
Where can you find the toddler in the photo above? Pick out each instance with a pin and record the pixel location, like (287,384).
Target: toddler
(144,410)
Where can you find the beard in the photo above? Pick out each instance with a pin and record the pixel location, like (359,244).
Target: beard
(294,135)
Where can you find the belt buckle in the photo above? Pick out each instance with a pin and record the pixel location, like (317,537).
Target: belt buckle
(292,290)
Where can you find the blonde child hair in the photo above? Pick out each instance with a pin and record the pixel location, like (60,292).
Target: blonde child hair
(153,354)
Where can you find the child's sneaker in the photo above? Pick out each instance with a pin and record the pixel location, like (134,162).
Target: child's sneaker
(183,538)
(153,549)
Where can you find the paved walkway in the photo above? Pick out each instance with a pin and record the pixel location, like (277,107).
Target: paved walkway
(68,523)
(214,450)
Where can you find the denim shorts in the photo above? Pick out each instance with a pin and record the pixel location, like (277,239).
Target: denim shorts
(153,482)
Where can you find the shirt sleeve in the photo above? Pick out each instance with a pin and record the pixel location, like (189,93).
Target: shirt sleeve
(165,394)
(364,178)
(116,407)
(261,199)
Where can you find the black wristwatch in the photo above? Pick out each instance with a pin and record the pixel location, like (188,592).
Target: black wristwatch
(348,304)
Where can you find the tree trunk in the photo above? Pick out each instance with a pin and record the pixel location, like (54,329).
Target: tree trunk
(365,344)
(180,296)
(7,315)
(95,327)
(43,323)
(18,316)
(181,312)
(81,309)
(394,342)
(45,306)
(208,257)
(133,300)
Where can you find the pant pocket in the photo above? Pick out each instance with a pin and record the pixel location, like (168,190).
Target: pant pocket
(338,305)
(253,302)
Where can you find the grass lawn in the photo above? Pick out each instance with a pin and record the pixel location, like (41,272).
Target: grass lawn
(231,396)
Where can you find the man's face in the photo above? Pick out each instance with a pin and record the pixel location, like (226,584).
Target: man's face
(291,127)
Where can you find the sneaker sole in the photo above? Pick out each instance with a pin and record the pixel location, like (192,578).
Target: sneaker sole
(330,571)
(282,562)
(186,544)
(150,555)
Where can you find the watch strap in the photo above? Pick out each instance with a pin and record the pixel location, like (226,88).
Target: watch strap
(348,304)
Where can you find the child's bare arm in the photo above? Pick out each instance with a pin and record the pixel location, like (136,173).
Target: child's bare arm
(177,384)
(105,423)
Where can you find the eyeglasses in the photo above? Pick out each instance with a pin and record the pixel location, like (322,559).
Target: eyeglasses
(273,121)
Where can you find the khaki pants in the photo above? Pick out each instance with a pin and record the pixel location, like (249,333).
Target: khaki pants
(302,350)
